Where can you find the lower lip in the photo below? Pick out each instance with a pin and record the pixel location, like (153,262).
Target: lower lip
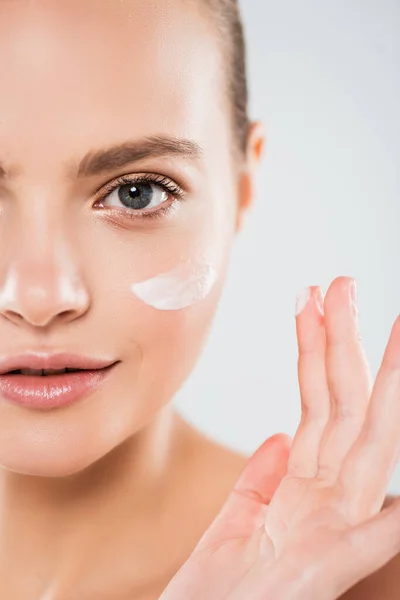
(51,391)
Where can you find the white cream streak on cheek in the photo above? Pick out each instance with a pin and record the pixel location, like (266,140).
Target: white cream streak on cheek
(179,288)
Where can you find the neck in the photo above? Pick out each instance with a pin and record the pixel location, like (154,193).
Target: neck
(56,533)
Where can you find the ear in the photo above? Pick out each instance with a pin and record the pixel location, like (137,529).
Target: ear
(254,153)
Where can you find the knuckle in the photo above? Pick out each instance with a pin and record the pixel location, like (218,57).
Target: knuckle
(326,474)
(346,405)
(346,412)
(348,343)
(301,469)
(314,415)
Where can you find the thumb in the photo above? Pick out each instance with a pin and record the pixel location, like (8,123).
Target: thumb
(244,511)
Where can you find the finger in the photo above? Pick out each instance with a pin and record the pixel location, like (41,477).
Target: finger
(370,464)
(361,551)
(244,511)
(313,384)
(349,378)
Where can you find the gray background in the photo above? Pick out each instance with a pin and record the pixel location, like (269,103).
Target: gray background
(325,80)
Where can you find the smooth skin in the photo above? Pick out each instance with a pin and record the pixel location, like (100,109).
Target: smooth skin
(107,499)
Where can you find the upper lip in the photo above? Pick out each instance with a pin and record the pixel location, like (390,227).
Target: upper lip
(60,360)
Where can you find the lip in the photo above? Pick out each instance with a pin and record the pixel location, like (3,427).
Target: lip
(60,360)
(52,391)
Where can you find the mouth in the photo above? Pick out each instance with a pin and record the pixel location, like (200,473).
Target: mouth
(39,381)
(45,372)
(43,365)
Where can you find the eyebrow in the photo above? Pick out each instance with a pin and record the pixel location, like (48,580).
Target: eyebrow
(96,162)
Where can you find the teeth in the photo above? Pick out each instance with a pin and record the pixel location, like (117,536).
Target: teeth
(53,371)
(31,372)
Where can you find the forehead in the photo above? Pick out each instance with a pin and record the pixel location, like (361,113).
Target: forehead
(82,73)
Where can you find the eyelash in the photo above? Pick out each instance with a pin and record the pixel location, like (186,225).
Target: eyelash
(166,184)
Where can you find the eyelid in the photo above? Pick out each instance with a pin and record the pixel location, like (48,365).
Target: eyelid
(162,181)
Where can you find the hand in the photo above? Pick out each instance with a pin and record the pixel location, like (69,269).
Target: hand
(303,520)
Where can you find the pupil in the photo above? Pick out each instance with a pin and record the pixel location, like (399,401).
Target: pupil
(137,195)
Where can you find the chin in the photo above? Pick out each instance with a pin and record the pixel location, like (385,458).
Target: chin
(52,465)
(61,456)
(63,442)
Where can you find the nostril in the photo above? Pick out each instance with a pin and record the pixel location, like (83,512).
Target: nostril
(13,316)
(69,315)
(65,314)
(39,319)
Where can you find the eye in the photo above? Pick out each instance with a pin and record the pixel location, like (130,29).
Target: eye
(136,195)
(145,195)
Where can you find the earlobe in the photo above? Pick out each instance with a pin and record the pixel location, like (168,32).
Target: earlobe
(254,153)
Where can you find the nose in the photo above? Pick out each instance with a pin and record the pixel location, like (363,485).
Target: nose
(42,288)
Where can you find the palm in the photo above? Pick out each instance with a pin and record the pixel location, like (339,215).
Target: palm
(300,520)
(254,531)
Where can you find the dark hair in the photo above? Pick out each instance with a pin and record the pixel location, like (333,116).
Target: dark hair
(229,22)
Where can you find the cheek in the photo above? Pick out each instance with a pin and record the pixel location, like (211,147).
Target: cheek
(171,339)
(172,296)
(168,267)
(158,290)
(186,285)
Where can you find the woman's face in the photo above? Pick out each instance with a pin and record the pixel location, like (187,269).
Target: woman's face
(77,78)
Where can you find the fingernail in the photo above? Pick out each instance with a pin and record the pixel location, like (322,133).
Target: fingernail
(302,300)
(354,297)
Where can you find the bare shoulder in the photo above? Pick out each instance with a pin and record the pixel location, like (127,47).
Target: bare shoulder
(381,585)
